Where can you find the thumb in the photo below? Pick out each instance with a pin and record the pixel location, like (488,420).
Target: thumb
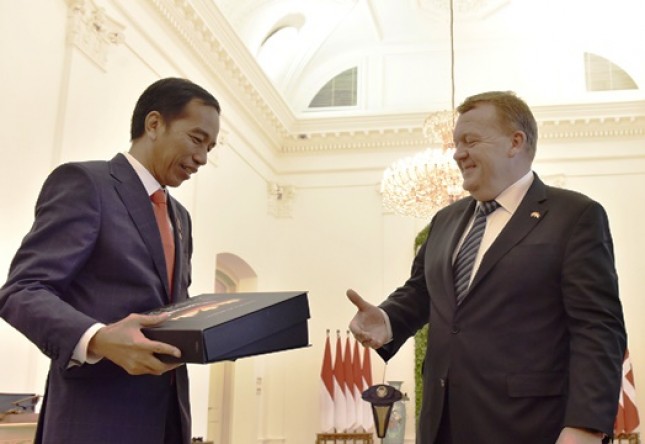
(358,301)
(152,320)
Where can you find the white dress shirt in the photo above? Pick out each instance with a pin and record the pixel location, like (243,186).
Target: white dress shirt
(508,201)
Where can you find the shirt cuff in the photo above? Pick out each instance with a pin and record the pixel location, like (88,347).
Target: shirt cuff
(80,355)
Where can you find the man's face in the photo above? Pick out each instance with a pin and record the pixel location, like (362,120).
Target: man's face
(181,146)
(483,152)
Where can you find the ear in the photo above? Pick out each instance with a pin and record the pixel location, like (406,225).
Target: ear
(518,143)
(153,124)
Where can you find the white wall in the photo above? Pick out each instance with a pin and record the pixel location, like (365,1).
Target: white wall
(30,88)
(60,106)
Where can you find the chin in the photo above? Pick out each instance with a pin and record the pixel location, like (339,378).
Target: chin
(469,186)
(474,191)
(174,183)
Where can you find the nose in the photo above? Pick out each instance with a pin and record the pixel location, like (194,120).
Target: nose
(460,152)
(201,157)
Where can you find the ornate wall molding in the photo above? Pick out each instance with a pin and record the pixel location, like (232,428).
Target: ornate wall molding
(597,128)
(92,31)
(204,29)
(280,200)
(613,127)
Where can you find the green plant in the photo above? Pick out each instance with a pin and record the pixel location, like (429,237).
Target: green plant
(420,339)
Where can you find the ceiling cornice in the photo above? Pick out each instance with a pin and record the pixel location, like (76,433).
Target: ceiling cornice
(204,29)
(594,121)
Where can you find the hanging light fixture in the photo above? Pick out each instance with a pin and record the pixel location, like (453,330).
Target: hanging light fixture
(422,184)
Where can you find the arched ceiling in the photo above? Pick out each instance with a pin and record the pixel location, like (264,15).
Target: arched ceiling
(402,49)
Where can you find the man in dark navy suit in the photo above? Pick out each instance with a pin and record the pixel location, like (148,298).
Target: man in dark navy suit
(94,260)
(526,346)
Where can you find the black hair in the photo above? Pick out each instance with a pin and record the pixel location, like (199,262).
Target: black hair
(169,97)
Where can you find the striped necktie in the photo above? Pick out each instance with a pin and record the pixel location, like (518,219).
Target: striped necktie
(463,266)
(161,214)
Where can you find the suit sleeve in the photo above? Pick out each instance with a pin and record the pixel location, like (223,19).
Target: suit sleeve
(67,220)
(595,323)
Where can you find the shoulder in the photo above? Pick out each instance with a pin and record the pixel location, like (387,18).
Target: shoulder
(78,170)
(566,195)
(570,200)
(75,182)
(553,195)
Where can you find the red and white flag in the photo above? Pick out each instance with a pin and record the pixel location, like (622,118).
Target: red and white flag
(327,391)
(340,405)
(349,386)
(368,418)
(627,418)
(358,386)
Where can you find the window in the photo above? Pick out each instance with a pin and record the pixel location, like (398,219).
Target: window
(339,91)
(603,75)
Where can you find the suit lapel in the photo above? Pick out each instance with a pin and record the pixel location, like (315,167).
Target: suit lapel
(531,211)
(137,202)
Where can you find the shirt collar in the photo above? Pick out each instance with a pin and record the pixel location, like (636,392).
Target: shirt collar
(511,197)
(147,179)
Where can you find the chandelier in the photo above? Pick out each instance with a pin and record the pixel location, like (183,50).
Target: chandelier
(422,184)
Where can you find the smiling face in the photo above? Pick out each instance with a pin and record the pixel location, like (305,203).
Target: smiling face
(175,150)
(490,157)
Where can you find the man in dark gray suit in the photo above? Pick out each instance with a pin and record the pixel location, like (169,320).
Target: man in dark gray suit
(527,346)
(94,260)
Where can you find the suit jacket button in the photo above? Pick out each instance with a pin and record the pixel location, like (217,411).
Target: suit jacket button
(442,382)
(455,330)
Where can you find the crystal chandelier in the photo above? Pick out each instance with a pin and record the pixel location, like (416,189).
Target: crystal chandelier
(422,184)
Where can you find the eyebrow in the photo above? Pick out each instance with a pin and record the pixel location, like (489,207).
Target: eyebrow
(200,131)
(468,134)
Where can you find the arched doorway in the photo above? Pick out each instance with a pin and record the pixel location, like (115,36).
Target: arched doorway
(230,393)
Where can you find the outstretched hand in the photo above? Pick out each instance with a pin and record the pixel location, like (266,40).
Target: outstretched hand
(368,325)
(125,345)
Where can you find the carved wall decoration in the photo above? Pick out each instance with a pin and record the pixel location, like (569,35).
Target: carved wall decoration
(92,31)
(280,200)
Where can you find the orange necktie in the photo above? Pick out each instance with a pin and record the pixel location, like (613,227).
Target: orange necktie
(163,221)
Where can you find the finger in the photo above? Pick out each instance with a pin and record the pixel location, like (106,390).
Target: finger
(159,367)
(358,301)
(161,348)
(152,320)
(149,366)
(173,366)
(364,339)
